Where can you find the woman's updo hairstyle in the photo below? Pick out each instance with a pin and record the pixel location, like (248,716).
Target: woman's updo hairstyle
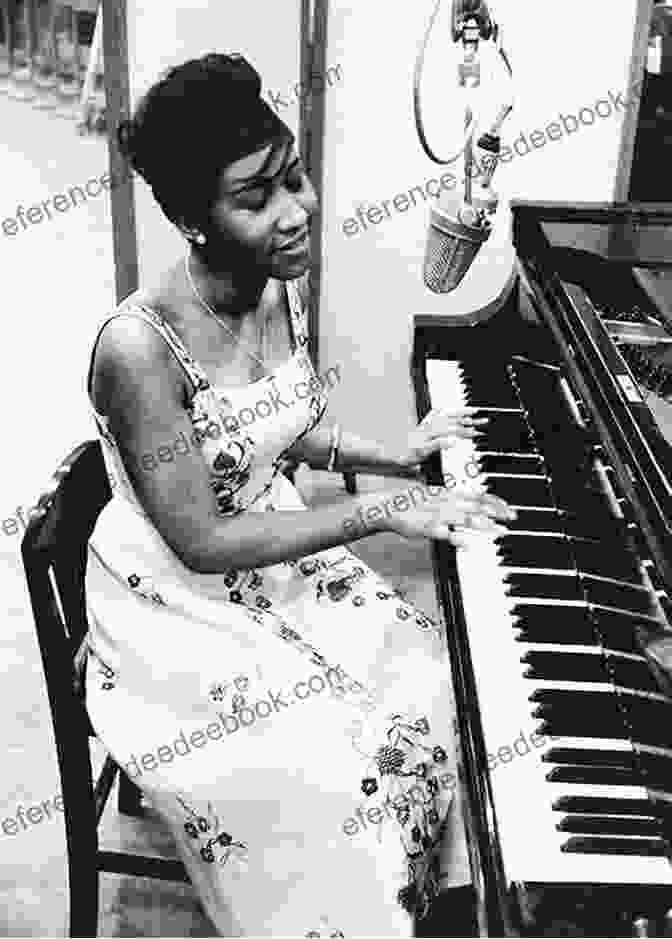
(197,119)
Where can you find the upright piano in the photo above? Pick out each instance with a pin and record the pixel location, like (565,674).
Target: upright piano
(560,631)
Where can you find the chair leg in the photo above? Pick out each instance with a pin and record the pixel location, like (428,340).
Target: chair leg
(130,797)
(350,480)
(84,891)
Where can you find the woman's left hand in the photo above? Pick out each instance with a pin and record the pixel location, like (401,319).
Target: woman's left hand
(440,430)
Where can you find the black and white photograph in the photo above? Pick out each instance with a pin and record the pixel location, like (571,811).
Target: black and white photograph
(341,352)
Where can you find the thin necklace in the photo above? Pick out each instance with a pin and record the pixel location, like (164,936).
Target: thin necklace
(208,309)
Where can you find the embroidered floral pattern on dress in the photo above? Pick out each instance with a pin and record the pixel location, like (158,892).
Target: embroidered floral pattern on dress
(220,690)
(144,587)
(231,470)
(338,580)
(215,845)
(405,771)
(361,696)
(324,931)
(108,674)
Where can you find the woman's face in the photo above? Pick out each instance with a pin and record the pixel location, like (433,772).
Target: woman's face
(263,211)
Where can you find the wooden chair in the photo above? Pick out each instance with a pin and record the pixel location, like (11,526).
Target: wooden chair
(54,550)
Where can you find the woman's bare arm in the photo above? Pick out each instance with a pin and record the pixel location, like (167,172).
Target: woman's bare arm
(355,455)
(142,389)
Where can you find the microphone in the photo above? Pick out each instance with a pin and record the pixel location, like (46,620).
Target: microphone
(453,241)
(454,238)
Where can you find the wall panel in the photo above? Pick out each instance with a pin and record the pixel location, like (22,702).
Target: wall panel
(565,57)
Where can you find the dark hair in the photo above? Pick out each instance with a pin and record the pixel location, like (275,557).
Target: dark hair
(198,118)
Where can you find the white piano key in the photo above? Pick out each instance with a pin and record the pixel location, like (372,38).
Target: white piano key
(553,684)
(592,743)
(558,647)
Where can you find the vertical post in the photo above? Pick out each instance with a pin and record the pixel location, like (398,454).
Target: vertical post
(629,126)
(5,47)
(93,63)
(313,64)
(31,30)
(118,106)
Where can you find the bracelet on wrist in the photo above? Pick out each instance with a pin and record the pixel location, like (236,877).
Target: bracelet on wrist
(335,444)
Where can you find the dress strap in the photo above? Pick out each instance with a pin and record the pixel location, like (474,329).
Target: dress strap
(193,370)
(298,297)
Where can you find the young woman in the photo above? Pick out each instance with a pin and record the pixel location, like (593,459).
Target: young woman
(264,687)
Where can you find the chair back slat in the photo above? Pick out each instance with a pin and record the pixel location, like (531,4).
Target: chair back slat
(60,537)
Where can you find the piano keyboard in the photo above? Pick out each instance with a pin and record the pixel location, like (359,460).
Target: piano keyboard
(551,610)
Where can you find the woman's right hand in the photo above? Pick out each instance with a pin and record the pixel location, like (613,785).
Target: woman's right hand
(422,511)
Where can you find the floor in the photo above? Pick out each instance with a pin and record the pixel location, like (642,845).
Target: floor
(57,282)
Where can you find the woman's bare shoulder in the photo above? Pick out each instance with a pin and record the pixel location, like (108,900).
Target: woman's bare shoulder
(131,353)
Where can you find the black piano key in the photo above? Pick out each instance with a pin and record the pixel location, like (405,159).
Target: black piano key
(565,666)
(595,776)
(569,625)
(631,673)
(601,805)
(607,560)
(617,594)
(529,465)
(541,633)
(647,769)
(560,519)
(602,701)
(572,628)
(641,718)
(601,825)
(505,432)
(545,586)
(644,847)
(531,551)
(580,713)
(611,559)
(530,519)
(657,769)
(589,756)
(488,385)
(516,490)
(576,725)
(578,666)
(617,629)
(584,524)
(650,719)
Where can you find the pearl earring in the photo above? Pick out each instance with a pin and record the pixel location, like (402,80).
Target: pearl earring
(199,238)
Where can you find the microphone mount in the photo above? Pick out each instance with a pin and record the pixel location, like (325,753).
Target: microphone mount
(471,21)
(470,15)
(471,24)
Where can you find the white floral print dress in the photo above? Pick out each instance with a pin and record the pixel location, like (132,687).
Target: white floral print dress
(292,724)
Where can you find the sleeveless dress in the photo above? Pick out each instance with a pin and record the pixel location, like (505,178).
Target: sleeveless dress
(291,724)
